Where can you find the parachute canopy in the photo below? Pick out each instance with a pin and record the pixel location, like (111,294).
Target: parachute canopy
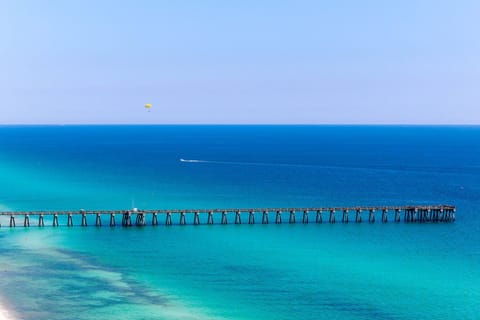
(148,106)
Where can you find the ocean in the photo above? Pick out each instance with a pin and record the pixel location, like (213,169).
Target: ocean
(288,271)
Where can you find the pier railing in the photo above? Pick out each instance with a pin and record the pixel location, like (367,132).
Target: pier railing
(137,217)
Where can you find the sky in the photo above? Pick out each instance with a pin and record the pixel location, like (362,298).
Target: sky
(240,62)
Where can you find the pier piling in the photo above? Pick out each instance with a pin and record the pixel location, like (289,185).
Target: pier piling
(154,219)
(196,219)
(98,220)
(397,215)
(384,215)
(332,216)
(345,216)
(305,217)
(371,216)
(168,219)
(182,218)
(421,215)
(265,217)
(210,217)
(84,218)
(292,217)
(278,217)
(408,215)
(358,216)
(251,217)
(224,217)
(238,218)
(127,219)
(140,221)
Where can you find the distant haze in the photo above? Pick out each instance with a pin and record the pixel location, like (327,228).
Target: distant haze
(301,62)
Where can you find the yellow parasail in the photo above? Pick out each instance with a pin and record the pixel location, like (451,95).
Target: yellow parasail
(148,106)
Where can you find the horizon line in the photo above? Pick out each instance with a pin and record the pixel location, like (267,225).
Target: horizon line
(245,124)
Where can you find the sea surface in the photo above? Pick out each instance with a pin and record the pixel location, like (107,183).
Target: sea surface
(315,271)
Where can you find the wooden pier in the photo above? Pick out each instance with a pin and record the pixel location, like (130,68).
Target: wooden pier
(136,217)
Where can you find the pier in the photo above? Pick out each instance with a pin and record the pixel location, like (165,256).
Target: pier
(168,217)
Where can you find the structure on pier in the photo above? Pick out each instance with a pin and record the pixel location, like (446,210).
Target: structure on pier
(411,214)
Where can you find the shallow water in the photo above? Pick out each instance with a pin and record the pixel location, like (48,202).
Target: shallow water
(314,271)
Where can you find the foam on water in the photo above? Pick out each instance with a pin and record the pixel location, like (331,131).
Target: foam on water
(101,292)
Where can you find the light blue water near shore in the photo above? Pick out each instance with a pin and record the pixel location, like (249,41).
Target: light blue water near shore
(366,271)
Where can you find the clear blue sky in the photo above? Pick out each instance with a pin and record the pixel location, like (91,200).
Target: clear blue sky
(374,62)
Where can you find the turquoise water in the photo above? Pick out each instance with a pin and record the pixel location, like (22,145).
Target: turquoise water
(341,271)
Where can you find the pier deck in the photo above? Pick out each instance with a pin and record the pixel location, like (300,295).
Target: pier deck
(411,214)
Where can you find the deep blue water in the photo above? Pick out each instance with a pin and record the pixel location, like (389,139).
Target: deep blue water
(366,271)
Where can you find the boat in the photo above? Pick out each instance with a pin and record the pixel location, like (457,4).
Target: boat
(186,160)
